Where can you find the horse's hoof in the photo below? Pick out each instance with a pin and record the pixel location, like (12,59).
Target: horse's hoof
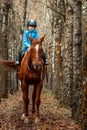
(37,120)
(26,120)
(22,116)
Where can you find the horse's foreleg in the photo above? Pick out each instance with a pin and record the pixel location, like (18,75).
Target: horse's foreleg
(38,100)
(26,101)
(33,99)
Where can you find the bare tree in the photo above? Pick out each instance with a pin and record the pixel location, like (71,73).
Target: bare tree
(67,55)
(5,46)
(76,94)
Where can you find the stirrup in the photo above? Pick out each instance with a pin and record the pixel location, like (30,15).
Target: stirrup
(46,62)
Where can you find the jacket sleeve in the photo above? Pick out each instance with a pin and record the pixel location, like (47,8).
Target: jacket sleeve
(37,35)
(26,41)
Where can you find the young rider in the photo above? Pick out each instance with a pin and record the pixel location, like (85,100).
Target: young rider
(31,31)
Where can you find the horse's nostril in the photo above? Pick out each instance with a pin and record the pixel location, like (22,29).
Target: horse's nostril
(39,67)
(34,67)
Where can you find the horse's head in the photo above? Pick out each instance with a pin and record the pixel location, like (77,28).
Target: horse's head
(36,52)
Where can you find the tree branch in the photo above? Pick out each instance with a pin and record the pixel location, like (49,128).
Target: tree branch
(55,11)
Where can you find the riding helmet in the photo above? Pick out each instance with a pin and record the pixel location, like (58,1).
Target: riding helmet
(32,23)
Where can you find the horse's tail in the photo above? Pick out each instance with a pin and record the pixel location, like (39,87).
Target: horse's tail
(8,63)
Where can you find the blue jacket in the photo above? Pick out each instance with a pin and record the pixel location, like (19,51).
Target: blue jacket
(26,41)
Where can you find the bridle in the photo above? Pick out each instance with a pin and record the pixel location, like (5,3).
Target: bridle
(31,66)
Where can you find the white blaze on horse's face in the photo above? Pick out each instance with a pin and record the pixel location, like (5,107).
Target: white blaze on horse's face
(37,48)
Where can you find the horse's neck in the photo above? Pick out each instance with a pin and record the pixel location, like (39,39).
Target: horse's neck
(27,56)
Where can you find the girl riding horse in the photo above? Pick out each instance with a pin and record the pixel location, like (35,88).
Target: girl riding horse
(32,72)
(31,31)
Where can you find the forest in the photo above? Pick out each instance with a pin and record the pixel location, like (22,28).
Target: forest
(64,95)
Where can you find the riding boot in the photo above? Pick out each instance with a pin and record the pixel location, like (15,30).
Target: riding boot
(19,58)
(44,57)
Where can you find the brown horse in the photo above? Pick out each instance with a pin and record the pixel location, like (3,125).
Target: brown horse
(32,72)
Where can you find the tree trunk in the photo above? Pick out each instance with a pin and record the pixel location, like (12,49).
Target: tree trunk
(77,62)
(59,32)
(25,7)
(1,19)
(5,48)
(67,56)
(84,105)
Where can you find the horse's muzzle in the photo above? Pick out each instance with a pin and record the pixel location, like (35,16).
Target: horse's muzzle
(37,65)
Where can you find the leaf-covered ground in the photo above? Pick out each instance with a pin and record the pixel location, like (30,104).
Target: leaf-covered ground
(53,116)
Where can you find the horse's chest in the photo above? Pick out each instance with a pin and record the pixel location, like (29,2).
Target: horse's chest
(33,77)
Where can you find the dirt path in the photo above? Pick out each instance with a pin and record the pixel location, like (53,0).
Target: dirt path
(53,117)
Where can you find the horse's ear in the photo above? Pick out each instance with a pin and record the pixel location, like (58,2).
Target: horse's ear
(42,38)
(30,38)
